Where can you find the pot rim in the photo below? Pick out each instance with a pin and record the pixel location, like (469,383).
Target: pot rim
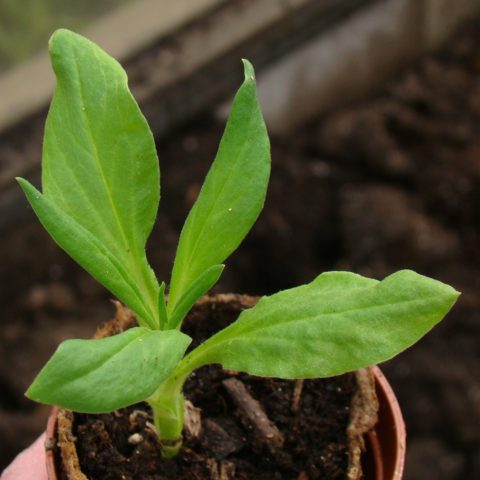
(387,442)
(49,442)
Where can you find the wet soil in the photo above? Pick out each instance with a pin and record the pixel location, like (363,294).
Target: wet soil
(392,182)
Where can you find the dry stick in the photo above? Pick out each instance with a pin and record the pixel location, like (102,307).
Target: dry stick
(227,470)
(212,466)
(297,395)
(192,420)
(222,470)
(254,413)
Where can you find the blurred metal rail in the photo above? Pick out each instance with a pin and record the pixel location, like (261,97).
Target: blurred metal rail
(189,65)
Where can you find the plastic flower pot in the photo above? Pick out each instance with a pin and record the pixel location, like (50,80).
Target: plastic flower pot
(384,458)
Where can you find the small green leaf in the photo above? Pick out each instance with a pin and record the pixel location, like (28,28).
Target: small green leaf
(95,376)
(100,169)
(231,197)
(197,288)
(338,323)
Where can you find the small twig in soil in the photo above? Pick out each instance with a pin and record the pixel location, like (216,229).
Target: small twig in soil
(251,409)
(224,470)
(212,466)
(297,395)
(227,470)
(132,418)
(192,420)
(152,427)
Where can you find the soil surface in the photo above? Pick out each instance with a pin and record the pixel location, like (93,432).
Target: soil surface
(227,443)
(389,183)
(296,430)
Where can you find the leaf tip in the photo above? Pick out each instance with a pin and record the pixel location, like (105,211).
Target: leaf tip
(28,189)
(24,184)
(63,46)
(248,70)
(59,36)
(30,393)
(444,292)
(454,295)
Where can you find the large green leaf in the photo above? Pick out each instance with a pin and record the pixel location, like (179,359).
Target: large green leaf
(231,197)
(100,170)
(94,376)
(337,323)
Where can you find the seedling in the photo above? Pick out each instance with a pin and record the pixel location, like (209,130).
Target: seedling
(100,178)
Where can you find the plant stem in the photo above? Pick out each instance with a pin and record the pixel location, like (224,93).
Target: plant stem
(168,406)
(167,403)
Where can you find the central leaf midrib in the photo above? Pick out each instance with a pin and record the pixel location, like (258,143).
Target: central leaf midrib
(129,248)
(97,159)
(79,374)
(80,186)
(330,313)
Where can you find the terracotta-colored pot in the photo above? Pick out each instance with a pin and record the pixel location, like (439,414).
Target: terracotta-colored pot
(383,459)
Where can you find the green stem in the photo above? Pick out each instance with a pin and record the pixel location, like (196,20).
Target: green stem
(167,403)
(168,406)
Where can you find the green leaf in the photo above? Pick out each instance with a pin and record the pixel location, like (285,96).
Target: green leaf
(95,376)
(100,169)
(338,323)
(231,197)
(197,288)
(85,248)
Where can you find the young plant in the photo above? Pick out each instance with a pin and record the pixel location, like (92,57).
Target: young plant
(101,191)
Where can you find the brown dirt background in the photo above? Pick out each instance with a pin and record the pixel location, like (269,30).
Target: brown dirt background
(391,182)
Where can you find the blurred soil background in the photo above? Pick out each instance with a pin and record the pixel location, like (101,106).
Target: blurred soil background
(392,182)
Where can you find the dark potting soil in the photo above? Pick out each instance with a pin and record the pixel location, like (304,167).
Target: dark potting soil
(312,421)
(227,444)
